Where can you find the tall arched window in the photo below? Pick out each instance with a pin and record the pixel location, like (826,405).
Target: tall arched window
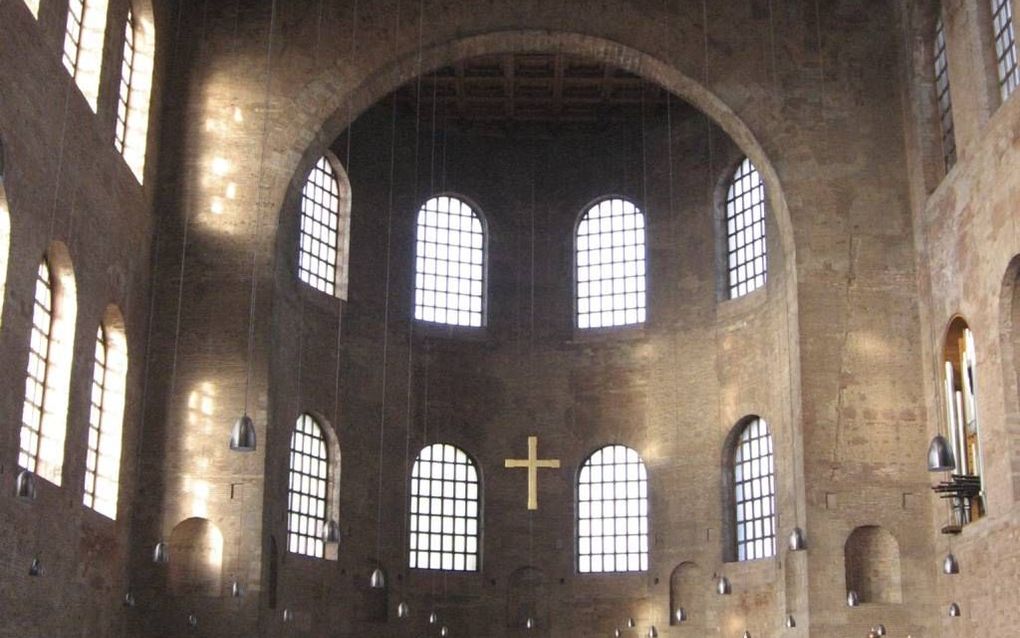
(960,359)
(445,510)
(308,487)
(746,259)
(1005,47)
(610,265)
(945,101)
(131,133)
(5,234)
(44,415)
(106,418)
(754,491)
(83,45)
(612,512)
(325,215)
(449,280)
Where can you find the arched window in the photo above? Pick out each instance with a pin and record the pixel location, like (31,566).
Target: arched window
(83,45)
(610,265)
(44,415)
(445,512)
(1005,47)
(746,259)
(945,101)
(960,359)
(308,488)
(754,491)
(449,280)
(612,512)
(106,418)
(5,234)
(131,133)
(325,216)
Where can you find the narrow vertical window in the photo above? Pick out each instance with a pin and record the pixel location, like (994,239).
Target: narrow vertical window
(320,228)
(746,259)
(5,234)
(83,45)
(1005,47)
(445,498)
(308,483)
(106,417)
(38,368)
(960,357)
(945,101)
(610,265)
(48,375)
(612,512)
(754,484)
(127,71)
(450,264)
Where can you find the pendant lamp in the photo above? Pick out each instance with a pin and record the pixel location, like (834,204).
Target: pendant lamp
(747,634)
(242,436)
(940,455)
(791,622)
(617,633)
(403,610)
(35,569)
(796,541)
(288,615)
(852,599)
(235,590)
(722,586)
(879,629)
(331,532)
(630,623)
(192,621)
(954,610)
(444,631)
(25,485)
(950,565)
(378,579)
(529,623)
(433,617)
(161,553)
(680,614)
(129,599)
(653,632)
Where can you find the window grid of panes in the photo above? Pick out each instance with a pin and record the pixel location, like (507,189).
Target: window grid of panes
(127,70)
(612,527)
(755,492)
(320,224)
(611,265)
(306,493)
(1005,47)
(72,35)
(450,264)
(38,366)
(444,510)
(944,99)
(102,460)
(745,231)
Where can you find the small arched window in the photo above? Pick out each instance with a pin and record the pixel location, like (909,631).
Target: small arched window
(610,265)
(960,357)
(754,491)
(44,415)
(83,45)
(131,133)
(449,280)
(445,510)
(325,215)
(1005,47)
(308,489)
(945,101)
(612,512)
(106,417)
(746,259)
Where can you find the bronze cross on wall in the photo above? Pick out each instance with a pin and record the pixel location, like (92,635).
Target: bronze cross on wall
(532,463)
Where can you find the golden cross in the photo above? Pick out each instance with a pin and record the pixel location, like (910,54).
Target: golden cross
(532,463)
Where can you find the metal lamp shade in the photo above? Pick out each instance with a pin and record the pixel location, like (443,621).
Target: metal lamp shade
(161,553)
(722,586)
(444,631)
(796,542)
(331,532)
(378,579)
(617,633)
(791,622)
(630,623)
(129,599)
(25,485)
(235,589)
(242,436)
(529,623)
(852,599)
(940,455)
(653,632)
(747,634)
(35,569)
(954,610)
(680,614)
(192,620)
(879,629)
(403,610)
(433,618)
(950,565)
(288,615)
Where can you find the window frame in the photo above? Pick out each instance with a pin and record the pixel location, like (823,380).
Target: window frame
(443,327)
(125,86)
(647,553)
(575,289)
(479,519)
(943,88)
(1005,83)
(727,286)
(341,265)
(112,335)
(732,450)
(321,550)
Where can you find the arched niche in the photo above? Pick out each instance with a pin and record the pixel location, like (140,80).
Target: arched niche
(963,414)
(871,558)
(196,558)
(1009,331)
(526,598)
(687,587)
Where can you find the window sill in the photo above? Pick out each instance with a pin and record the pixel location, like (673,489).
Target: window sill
(432,330)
